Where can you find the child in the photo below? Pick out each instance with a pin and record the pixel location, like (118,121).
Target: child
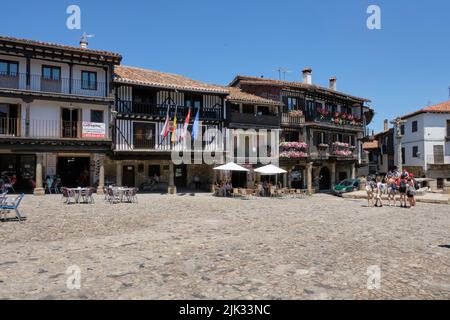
(370,189)
(379,193)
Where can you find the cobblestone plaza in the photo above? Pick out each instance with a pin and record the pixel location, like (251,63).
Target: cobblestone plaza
(201,247)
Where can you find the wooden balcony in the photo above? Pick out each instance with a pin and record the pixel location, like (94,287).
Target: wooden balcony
(254,120)
(288,120)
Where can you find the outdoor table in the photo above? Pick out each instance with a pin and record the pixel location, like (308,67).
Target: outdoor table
(77,192)
(121,191)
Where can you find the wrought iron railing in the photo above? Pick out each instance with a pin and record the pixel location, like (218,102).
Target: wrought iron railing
(41,129)
(30,82)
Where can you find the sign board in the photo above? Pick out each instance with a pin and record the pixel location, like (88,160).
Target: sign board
(94,130)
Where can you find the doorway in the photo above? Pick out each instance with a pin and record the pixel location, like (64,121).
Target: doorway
(239,179)
(180,176)
(74,171)
(70,120)
(324,179)
(128,178)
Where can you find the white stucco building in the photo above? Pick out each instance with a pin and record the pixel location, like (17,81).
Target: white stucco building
(426,142)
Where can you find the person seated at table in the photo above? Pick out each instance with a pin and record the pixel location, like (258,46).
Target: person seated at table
(228,189)
(260,189)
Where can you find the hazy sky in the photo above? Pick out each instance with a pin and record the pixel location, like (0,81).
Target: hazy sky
(401,68)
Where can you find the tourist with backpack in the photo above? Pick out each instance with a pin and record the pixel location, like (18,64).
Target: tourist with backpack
(392,190)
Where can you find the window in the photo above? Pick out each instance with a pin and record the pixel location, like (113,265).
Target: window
(292,104)
(403,156)
(88,80)
(51,73)
(248,109)
(144,135)
(234,107)
(448,128)
(415,152)
(193,101)
(9,68)
(97,116)
(414,126)
(402,129)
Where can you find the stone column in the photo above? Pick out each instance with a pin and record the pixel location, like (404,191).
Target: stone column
(119,173)
(39,189)
(172,188)
(333,174)
(101,175)
(309,177)
(353,171)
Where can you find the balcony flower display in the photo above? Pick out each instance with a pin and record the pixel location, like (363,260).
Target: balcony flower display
(293,154)
(323,112)
(293,145)
(296,113)
(293,150)
(341,149)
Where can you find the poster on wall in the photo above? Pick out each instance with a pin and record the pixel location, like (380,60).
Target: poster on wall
(94,130)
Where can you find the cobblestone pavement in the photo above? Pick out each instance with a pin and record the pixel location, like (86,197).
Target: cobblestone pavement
(200,247)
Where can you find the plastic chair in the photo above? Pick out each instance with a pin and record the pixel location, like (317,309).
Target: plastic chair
(12,204)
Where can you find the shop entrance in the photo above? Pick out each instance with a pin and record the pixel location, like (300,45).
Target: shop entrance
(74,171)
(180,176)
(18,170)
(128,176)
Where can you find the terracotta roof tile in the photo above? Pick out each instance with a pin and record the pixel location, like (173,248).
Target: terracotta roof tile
(58,46)
(237,95)
(370,145)
(438,108)
(292,84)
(151,78)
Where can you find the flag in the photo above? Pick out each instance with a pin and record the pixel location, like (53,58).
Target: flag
(174,128)
(186,125)
(196,125)
(165,130)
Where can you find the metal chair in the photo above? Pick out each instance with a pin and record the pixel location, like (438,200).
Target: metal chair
(11,204)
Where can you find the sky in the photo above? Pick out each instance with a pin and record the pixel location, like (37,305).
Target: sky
(402,67)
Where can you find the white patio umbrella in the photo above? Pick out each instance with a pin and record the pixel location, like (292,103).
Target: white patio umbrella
(270,170)
(231,166)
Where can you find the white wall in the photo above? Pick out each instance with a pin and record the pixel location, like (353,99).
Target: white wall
(432,130)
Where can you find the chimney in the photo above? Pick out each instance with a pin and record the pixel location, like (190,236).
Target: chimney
(333,81)
(307,75)
(386,125)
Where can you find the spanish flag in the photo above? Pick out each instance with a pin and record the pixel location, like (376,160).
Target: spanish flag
(174,129)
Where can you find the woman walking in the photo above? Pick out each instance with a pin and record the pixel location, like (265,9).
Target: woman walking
(370,189)
(379,193)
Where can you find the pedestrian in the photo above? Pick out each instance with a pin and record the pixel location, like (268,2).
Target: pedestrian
(370,189)
(378,193)
(197,182)
(392,190)
(402,189)
(411,193)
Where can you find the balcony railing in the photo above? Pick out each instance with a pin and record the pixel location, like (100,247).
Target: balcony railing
(436,160)
(160,111)
(325,151)
(292,121)
(258,120)
(42,129)
(23,81)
